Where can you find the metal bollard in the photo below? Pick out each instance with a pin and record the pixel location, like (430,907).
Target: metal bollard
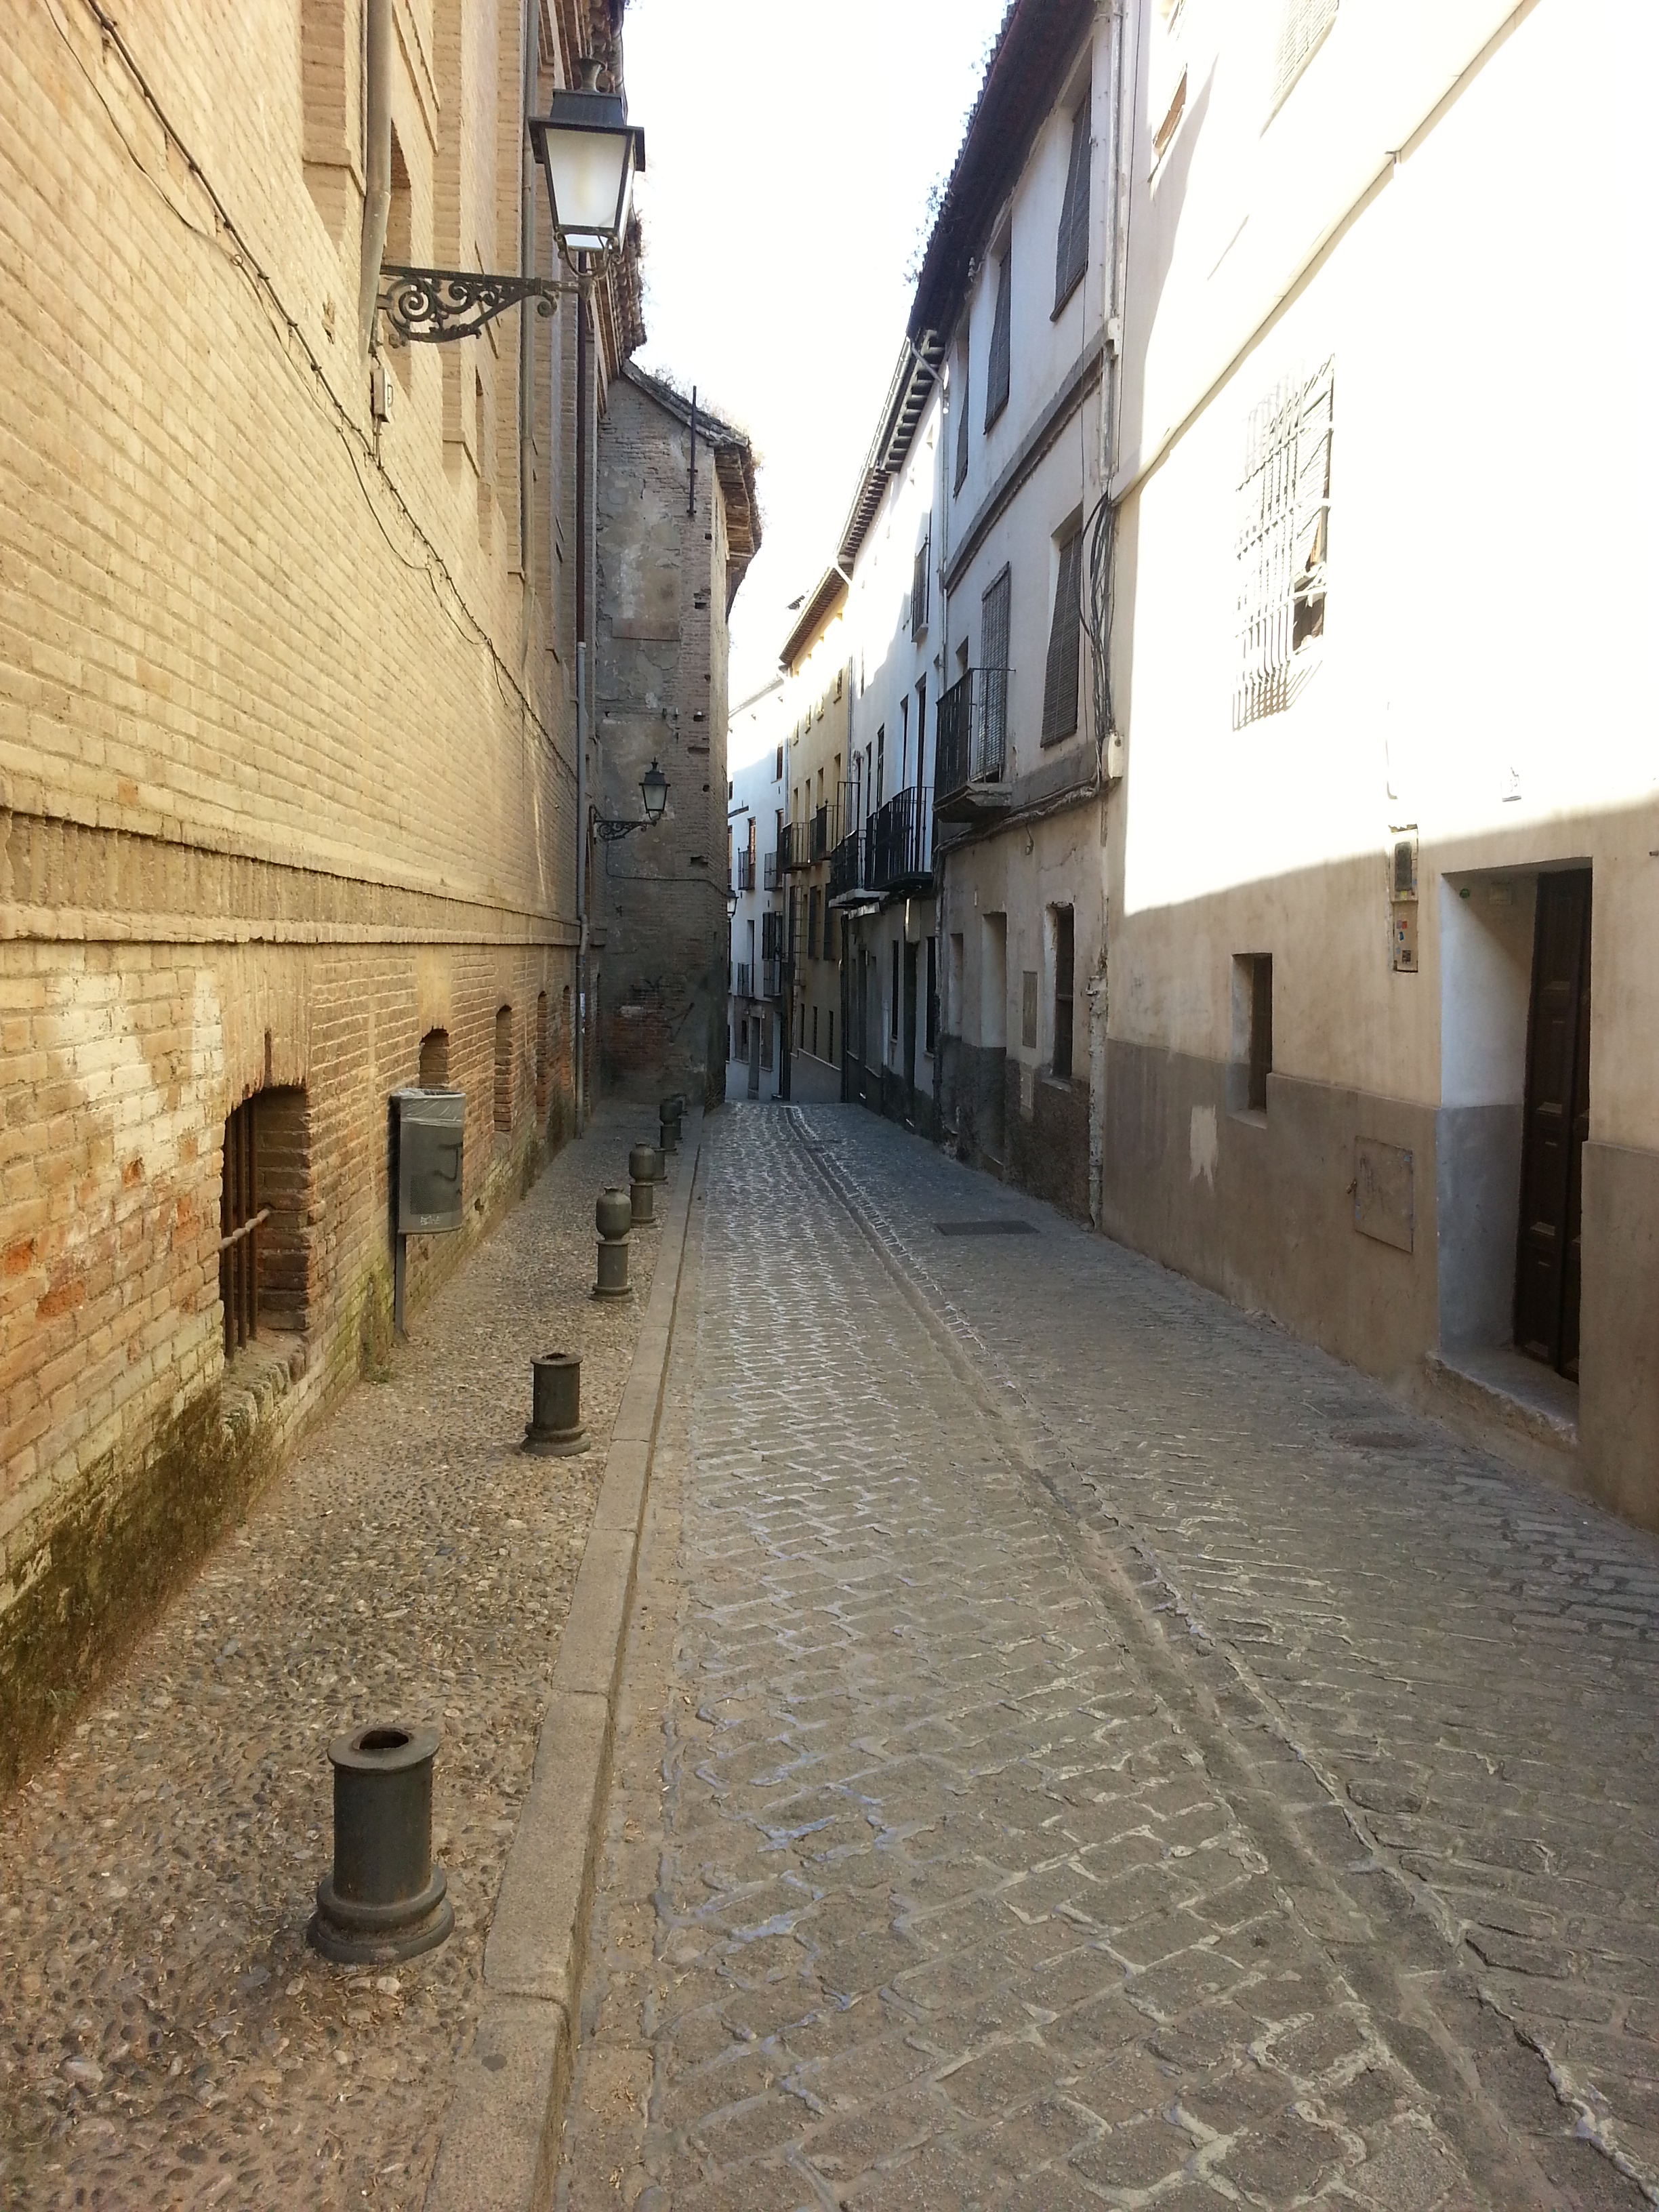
(555,1406)
(613,1215)
(383,1899)
(645,1164)
(643,1194)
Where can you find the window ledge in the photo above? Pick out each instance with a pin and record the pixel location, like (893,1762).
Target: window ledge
(1254,1117)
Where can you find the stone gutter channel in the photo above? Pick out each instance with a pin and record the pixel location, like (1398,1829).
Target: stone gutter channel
(501,2141)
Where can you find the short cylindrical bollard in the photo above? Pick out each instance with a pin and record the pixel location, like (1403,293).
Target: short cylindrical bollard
(555,1406)
(383,1899)
(645,1164)
(643,1192)
(668,1131)
(613,1215)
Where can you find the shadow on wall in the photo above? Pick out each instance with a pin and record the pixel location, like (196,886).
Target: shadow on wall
(1378,1227)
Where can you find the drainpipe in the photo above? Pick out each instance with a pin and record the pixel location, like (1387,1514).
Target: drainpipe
(530,100)
(376,194)
(584,523)
(941,938)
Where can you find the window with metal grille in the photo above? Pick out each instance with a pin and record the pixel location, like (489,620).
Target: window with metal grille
(1060,685)
(264,1206)
(959,397)
(543,1056)
(919,586)
(996,374)
(1071,249)
(1303,25)
(1283,542)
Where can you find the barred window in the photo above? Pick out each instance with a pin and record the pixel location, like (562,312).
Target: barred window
(1059,685)
(1302,26)
(1072,250)
(1283,541)
(996,374)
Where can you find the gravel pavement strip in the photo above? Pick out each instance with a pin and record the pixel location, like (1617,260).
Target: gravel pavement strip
(165,2036)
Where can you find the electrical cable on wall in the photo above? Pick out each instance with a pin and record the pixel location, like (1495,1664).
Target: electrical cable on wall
(287,331)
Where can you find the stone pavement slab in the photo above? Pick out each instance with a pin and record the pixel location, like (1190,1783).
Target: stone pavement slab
(936,1872)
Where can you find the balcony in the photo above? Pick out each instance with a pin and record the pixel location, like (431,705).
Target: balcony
(792,848)
(901,842)
(849,869)
(771,979)
(746,871)
(823,832)
(773,870)
(970,773)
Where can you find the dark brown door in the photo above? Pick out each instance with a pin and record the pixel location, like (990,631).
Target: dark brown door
(1556,1112)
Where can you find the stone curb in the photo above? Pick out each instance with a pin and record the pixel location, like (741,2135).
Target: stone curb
(500,2147)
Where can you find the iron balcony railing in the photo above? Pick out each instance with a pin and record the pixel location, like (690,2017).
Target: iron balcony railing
(972,733)
(901,839)
(771,979)
(744,985)
(824,831)
(849,868)
(746,871)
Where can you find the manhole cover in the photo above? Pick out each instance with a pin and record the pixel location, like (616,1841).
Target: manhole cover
(1004,1224)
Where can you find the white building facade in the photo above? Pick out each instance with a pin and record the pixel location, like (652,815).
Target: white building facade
(755,805)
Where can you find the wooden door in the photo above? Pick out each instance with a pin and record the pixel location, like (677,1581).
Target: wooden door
(1557,1122)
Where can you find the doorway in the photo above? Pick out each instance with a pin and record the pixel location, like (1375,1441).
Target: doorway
(911,953)
(1547,1275)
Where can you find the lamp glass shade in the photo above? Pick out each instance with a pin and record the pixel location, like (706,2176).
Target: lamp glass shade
(590,152)
(654,790)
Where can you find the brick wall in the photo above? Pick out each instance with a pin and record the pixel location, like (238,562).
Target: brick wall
(287,766)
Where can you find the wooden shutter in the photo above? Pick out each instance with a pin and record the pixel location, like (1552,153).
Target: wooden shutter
(1071,251)
(990,739)
(996,375)
(962,422)
(1060,687)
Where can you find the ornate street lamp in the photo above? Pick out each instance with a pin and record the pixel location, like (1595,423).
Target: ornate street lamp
(591,153)
(653,790)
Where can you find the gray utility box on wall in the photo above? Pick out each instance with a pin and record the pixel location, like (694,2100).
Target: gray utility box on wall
(431,1127)
(428,1132)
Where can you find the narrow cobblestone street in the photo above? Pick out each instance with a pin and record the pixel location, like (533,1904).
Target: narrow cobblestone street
(1078,1745)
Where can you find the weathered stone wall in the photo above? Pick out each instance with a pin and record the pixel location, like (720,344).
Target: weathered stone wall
(660,693)
(286,761)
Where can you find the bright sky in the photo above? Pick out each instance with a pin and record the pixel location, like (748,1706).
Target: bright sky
(790,149)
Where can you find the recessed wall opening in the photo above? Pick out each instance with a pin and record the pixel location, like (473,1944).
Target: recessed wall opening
(1062,929)
(1487,924)
(1253,1032)
(503,1085)
(434,1061)
(543,1056)
(265,1250)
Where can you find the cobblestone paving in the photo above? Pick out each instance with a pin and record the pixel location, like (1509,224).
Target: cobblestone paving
(938,1873)
(166,2037)
(1468,1659)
